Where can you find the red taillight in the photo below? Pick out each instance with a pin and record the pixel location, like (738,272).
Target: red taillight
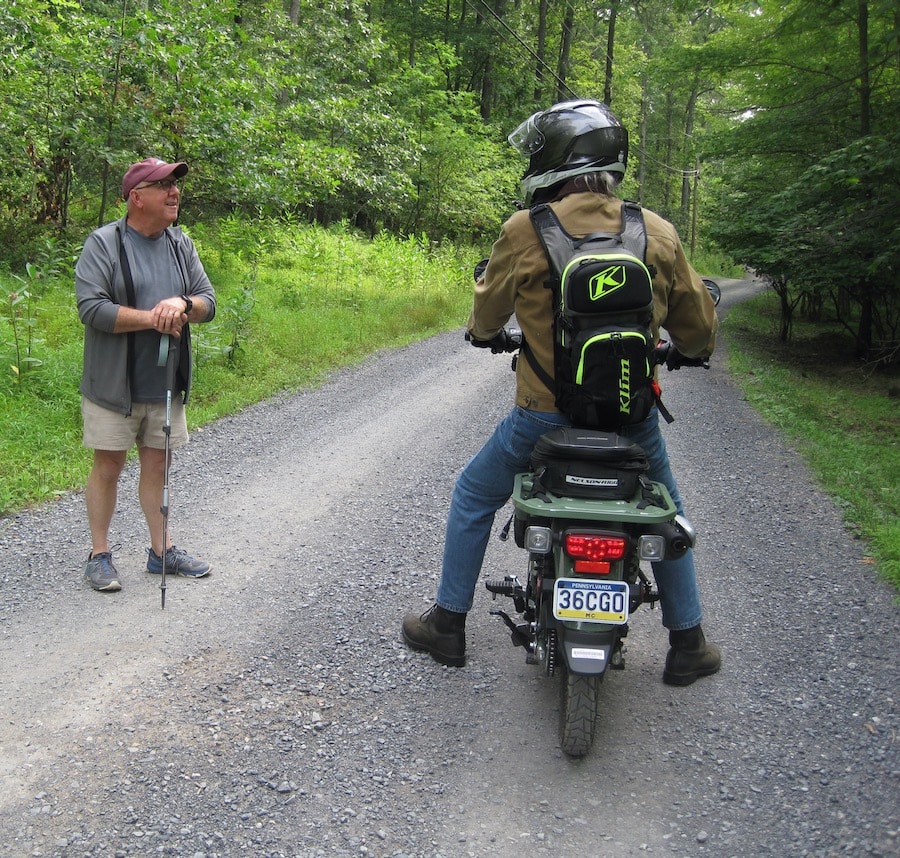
(593,567)
(593,552)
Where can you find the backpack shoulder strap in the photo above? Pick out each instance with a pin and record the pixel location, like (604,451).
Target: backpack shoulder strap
(634,233)
(557,243)
(558,247)
(126,269)
(132,301)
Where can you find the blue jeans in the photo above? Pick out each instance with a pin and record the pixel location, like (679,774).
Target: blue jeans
(486,484)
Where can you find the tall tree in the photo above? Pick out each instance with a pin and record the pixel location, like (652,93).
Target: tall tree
(825,92)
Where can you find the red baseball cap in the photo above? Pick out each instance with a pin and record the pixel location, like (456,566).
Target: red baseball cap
(150,170)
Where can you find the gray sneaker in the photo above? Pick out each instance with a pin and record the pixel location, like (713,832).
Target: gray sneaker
(100,573)
(178,562)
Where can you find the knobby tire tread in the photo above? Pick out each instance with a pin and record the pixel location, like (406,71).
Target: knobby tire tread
(578,712)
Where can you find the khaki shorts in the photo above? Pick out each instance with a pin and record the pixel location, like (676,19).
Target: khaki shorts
(109,430)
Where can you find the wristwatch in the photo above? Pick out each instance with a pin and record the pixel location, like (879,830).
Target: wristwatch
(188,304)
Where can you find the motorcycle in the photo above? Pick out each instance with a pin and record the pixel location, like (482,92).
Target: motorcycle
(587,515)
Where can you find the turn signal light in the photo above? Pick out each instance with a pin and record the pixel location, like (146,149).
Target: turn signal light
(538,540)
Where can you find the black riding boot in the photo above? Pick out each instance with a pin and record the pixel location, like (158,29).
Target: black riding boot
(439,632)
(690,657)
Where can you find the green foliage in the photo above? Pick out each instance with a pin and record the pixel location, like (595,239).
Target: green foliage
(21,314)
(323,299)
(844,421)
(810,198)
(40,446)
(711,262)
(832,235)
(374,117)
(22,307)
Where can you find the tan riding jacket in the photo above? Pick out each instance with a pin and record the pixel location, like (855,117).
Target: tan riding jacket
(517,270)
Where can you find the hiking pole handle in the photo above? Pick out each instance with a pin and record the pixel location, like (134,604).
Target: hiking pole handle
(167,357)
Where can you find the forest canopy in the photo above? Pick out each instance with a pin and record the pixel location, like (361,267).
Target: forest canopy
(766,129)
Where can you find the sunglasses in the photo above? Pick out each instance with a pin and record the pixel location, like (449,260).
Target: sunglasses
(164,184)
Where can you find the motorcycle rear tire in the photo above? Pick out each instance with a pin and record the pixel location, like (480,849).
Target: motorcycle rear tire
(578,712)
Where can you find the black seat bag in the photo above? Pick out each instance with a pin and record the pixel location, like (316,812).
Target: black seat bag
(583,463)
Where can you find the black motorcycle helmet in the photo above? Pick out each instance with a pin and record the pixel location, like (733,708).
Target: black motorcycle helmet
(567,140)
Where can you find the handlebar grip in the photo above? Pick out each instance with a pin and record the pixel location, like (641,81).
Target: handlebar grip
(506,340)
(666,353)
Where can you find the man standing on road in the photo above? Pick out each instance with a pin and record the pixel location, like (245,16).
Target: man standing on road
(137,279)
(578,152)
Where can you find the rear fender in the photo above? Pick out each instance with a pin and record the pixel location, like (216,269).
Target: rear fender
(587,652)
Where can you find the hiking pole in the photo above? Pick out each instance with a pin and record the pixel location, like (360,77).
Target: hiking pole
(169,347)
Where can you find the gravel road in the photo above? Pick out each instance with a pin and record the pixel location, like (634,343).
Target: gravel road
(272,709)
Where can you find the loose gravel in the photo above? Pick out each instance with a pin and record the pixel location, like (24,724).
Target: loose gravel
(272,709)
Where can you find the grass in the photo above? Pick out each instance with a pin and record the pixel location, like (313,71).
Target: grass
(842,416)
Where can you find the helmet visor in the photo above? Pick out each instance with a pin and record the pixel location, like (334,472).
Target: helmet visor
(527,138)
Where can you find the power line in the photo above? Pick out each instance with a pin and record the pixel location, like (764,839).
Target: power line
(644,155)
(527,47)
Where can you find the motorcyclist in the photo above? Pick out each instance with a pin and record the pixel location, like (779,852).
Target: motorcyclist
(578,152)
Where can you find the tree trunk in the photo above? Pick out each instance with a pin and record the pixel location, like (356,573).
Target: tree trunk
(487,82)
(642,137)
(693,243)
(865,92)
(666,155)
(541,51)
(411,55)
(110,117)
(864,331)
(610,48)
(787,309)
(565,49)
(690,112)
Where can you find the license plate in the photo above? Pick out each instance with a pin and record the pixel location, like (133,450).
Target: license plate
(587,601)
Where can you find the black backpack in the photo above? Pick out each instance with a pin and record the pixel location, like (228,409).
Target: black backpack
(602,306)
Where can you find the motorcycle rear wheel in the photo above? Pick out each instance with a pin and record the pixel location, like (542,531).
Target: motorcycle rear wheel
(578,712)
